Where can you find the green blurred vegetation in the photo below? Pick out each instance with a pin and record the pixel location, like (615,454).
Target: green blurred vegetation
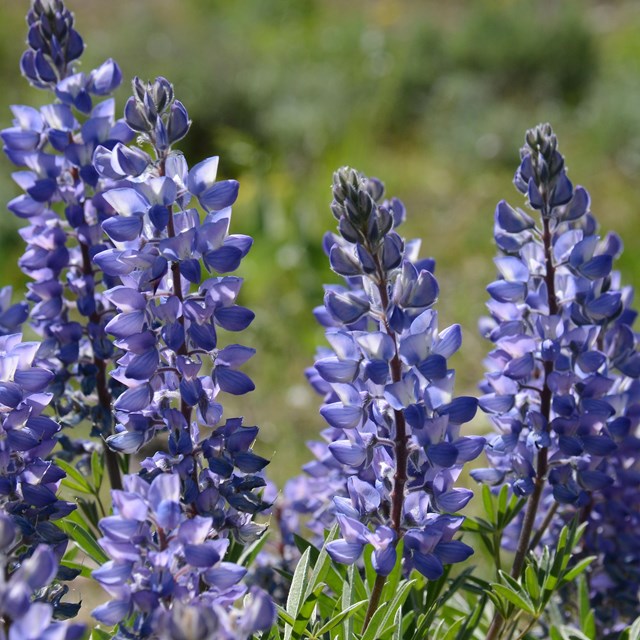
(432,97)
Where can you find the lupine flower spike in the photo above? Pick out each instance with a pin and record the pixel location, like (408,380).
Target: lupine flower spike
(53,147)
(174,522)
(562,380)
(393,449)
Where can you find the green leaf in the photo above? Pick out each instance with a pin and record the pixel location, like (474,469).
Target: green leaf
(577,569)
(555,634)
(369,571)
(531,582)
(454,629)
(503,498)
(306,610)
(74,486)
(100,634)
(348,600)
(284,616)
(472,622)
(97,470)
(398,626)
(487,501)
(322,563)
(519,599)
(386,612)
(340,617)
(84,539)
(570,633)
(75,476)
(634,630)
(393,579)
(297,589)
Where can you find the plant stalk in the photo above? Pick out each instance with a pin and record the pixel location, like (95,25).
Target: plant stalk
(400,447)
(533,504)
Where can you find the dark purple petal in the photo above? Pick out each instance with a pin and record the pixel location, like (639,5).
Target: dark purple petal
(143,366)
(452,552)
(235,318)
(232,381)
(220,195)
(223,260)
(346,307)
(434,367)
(383,560)
(512,220)
(428,565)
(460,410)
(135,399)
(443,454)
(33,379)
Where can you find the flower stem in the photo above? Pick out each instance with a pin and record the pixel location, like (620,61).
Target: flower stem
(400,447)
(533,504)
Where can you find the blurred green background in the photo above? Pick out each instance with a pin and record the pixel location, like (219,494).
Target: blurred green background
(433,97)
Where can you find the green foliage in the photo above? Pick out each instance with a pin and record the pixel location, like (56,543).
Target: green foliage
(527,600)
(500,511)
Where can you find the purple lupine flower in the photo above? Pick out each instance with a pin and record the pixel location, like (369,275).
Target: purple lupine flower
(196,621)
(162,555)
(31,544)
(11,315)
(168,315)
(24,589)
(175,520)
(29,481)
(393,449)
(561,387)
(53,147)
(53,43)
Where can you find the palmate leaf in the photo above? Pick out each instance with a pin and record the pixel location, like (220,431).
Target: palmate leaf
(250,552)
(85,571)
(487,501)
(322,564)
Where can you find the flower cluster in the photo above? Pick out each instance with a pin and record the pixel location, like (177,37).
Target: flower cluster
(562,381)
(26,594)
(166,324)
(30,543)
(29,481)
(393,449)
(162,557)
(53,146)
(118,278)
(168,316)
